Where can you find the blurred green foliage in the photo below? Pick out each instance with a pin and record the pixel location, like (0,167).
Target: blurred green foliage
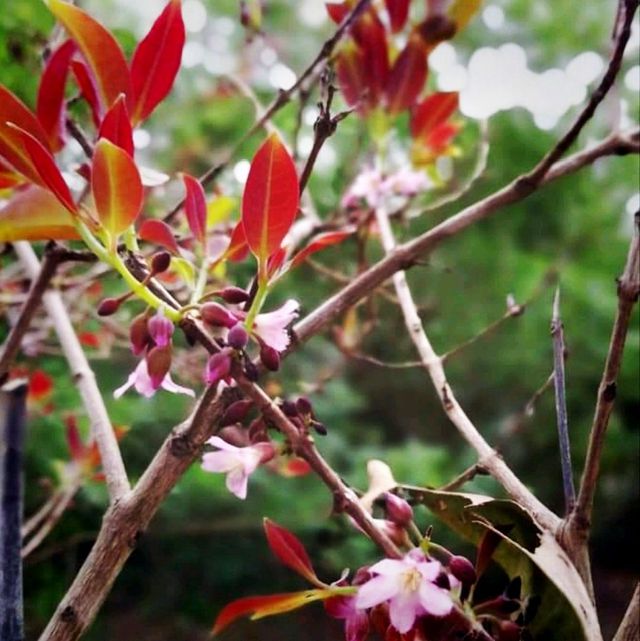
(205,547)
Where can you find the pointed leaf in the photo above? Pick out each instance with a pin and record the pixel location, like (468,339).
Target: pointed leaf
(99,48)
(268,605)
(270,200)
(288,548)
(8,177)
(116,186)
(156,61)
(76,447)
(35,213)
(398,11)
(116,126)
(432,111)
(337,11)
(461,12)
(88,89)
(45,165)
(407,76)
(195,207)
(12,109)
(370,34)
(50,106)
(238,248)
(349,66)
(159,233)
(320,242)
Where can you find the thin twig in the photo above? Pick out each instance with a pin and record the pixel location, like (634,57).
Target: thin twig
(432,363)
(629,629)
(41,514)
(557,334)
(84,378)
(469,474)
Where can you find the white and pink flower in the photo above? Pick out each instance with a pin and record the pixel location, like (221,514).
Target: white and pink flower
(238,463)
(408,586)
(141,381)
(272,327)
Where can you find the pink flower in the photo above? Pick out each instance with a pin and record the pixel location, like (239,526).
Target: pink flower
(143,384)
(272,326)
(408,586)
(237,462)
(160,328)
(356,622)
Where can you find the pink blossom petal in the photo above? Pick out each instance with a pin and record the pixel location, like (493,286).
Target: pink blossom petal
(429,569)
(434,600)
(169,385)
(375,591)
(218,462)
(272,326)
(237,482)
(220,443)
(403,609)
(390,567)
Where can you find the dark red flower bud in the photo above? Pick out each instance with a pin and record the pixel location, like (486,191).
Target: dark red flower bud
(320,428)
(233,295)
(158,364)
(109,306)
(289,408)
(238,337)
(236,412)
(437,28)
(251,371)
(160,262)
(269,357)
(462,569)
(216,314)
(139,334)
(303,404)
(397,509)
(218,366)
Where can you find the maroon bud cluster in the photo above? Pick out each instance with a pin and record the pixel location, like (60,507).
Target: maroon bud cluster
(217,315)
(109,306)
(236,412)
(270,357)
(233,295)
(397,509)
(158,363)
(462,569)
(238,337)
(139,335)
(160,262)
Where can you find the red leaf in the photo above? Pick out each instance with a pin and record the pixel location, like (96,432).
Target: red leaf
(274,262)
(238,247)
(438,140)
(270,200)
(337,11)
(432,111)
(349,68)
(89,339)
(47,169)
(116,186)
(407,77)
(320,242)
(370,34)
(159,233)
(99,48)
(195,207)
(40,385)
(116,126)
(156,61)
(8,177)
(290,551)
(35,213)
(50,106)
(263,606)
(13,110)
(76,447)
(88,89)
(398,11)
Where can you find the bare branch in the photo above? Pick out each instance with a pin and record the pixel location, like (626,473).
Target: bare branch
(629,629)
(432,363)
(84,378)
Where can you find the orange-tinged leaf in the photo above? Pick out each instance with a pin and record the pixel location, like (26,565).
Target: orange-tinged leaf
(50,105)
(290,551)
(238,248)
(320,242)
(88,88)
(195,207)
(156,61)
(116,186)
(45,164)
(159,233)
(349,66)
(432,111)
(13,110)
(8,177)
(35,213)
(461,12)
(407,76)
(270,200)
(116,126)
(268,605)
(99,48)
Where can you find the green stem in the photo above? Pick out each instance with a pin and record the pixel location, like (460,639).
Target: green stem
(201,283)
(113,259)
(256,305)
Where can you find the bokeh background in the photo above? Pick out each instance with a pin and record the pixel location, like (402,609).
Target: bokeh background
(205,547)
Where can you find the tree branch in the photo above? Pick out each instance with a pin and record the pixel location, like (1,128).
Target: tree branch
(84,378)
(629,629)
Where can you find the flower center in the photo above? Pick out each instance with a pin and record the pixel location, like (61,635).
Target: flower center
(411,580)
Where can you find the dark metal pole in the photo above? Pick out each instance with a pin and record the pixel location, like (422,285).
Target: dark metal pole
(12,427)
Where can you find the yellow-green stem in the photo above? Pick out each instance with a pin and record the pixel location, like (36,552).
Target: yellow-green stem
(256,305)
(201,283)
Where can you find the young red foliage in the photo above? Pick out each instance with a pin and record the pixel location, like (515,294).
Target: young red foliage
(270,200)
(238,248)
(432,111)
(195,207)
(370,34)
(116,126)
(116,186)
(337,10)
(290,551)
(8,177)
(47,169)
(50,105)
(158,232)
(99,48)
(398,11)
(13,110)
(320,242)
(349,68)
(156,61)
(88,89)
(407,76)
